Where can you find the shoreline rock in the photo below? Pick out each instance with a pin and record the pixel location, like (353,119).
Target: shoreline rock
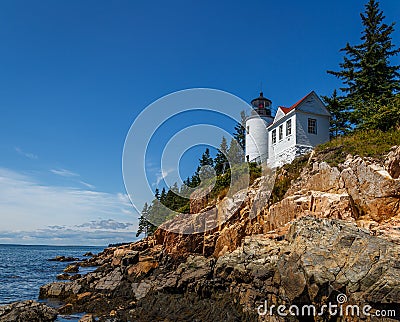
(72,268)
(24,311)
(63,259)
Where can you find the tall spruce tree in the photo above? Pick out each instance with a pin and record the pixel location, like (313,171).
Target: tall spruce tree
(220,161)
(339,123)
(366,71)
(240,131)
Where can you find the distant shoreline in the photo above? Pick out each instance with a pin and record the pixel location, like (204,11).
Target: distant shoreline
(45,245)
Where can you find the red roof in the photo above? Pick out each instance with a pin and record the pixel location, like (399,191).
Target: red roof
(288,109)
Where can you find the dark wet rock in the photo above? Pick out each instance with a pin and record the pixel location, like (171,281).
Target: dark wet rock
(63,259)
(75,277)
(99,259)
(60,290)
(189,307)
(63,276)
(66,276)
(88,254)
(110,281)
(72,268)
(66,309)
(27,311)
(131,258)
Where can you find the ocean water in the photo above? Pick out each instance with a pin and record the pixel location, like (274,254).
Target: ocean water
(23,269)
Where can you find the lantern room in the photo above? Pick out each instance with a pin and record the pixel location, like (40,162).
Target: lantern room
(262,105)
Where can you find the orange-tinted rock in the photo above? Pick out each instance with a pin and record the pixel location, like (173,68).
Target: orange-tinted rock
(393,162)
(142,268)
(375,194)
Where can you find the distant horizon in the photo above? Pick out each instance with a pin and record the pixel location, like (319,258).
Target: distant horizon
(91,246)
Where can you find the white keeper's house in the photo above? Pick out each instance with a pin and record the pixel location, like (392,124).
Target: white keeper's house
(293,131)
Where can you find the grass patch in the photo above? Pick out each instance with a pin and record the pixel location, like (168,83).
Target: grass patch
(372,143)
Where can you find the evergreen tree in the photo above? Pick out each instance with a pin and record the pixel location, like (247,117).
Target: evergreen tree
(175,188)
(157,194)
(220,161)
(179,199)
(174,196)
(144,225)
(185,189)
(339,123)
(240,131)
(205,160)
(366,71)
(235,153)
(195,179)
(175,199)
(163,195)
(387,116)
(156,212)
(151,226)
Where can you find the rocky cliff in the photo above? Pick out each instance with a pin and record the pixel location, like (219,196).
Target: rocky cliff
(332,239)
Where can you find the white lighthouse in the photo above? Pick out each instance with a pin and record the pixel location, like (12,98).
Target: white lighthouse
(256,129)
(292,132)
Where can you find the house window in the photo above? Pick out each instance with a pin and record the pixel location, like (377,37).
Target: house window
(288,127)
(280,132)
(248,129)
(273,136)
(312,126)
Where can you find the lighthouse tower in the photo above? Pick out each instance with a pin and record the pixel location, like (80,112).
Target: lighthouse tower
(256,129)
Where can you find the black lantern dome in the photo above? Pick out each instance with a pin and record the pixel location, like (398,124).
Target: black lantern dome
(262,105)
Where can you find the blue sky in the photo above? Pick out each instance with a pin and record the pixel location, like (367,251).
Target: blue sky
(75,74)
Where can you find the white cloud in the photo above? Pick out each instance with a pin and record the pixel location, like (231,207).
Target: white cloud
(64,173)
(26,154)
(88,185)
(28,207)
(109,224)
